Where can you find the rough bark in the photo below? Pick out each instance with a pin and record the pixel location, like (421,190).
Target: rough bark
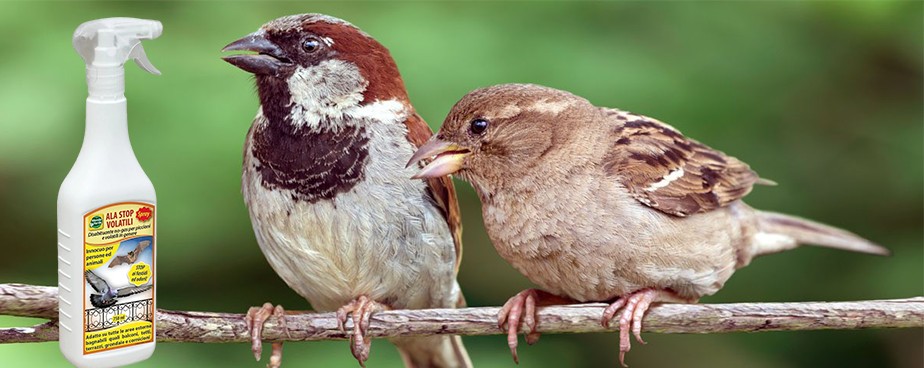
(213,327)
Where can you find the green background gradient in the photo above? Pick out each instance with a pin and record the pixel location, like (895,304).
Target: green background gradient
(823,97)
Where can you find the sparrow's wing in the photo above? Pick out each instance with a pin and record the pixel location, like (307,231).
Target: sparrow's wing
(126,291)
(672,173)
(441,189)
(98,284)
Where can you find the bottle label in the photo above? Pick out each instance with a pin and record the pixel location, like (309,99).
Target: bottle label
(118,292)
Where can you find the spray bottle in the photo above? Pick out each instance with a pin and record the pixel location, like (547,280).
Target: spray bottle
(107,212)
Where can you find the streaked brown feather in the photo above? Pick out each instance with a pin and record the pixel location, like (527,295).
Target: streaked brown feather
(646,153)
(441,189)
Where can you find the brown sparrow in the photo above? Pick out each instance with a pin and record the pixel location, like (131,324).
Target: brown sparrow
(334,209)
(598,204)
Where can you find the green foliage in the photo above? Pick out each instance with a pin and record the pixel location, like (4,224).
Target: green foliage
(823,97)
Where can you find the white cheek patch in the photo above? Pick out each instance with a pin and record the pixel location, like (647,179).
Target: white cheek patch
(383,111)
(325,92)
(669,178)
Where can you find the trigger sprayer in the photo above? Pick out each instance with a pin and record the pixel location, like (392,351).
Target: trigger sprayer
(107,211)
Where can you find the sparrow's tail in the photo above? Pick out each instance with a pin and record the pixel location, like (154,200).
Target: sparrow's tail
(433,352)
(778,232)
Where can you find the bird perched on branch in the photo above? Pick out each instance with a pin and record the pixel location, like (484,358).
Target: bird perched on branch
(598,204)
(334,209)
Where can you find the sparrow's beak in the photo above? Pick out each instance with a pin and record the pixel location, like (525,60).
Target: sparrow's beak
(268,60)
(448,158)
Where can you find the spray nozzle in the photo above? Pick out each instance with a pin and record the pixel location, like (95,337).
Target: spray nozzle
(106,44)
(112,41)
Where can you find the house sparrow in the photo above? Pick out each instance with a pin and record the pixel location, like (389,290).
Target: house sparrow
(334,209)
(598,204)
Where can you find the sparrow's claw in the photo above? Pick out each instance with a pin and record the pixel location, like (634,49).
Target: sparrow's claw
(625,321)
(256,317)
(634,306)
(529,318)
(521,308)
(361,309)
(276,356)
(342,314)
(611,310)
(637,316)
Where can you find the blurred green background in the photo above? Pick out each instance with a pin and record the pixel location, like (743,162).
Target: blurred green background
(823,97)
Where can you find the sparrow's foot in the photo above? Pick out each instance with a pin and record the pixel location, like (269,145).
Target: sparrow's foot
(275,360)
(256,317)
(521,309)
(361,309)
(634,305)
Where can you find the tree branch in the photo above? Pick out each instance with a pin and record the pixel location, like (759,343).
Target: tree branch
(210,327)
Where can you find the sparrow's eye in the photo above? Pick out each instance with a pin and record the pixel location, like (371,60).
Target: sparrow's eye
(478,126)
(311,44)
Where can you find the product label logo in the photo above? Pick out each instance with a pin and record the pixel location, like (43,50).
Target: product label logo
(144,213)
(96,222)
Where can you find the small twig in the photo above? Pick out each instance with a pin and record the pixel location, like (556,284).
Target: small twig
(211,327)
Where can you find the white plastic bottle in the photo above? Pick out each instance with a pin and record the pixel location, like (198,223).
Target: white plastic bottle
(107,212)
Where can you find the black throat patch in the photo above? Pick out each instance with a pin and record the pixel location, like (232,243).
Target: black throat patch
(314,164)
